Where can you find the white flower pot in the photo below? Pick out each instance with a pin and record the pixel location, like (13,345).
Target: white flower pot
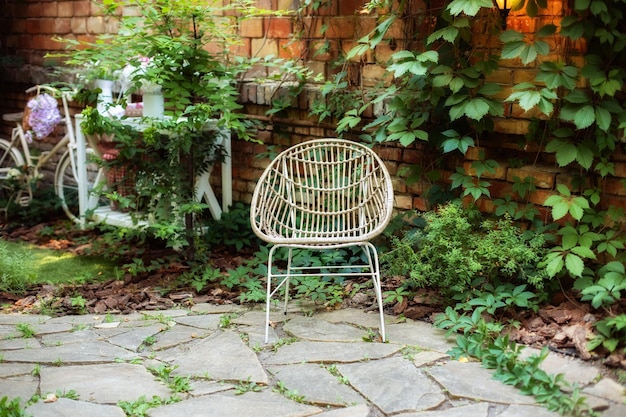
(153,104)
(105,98)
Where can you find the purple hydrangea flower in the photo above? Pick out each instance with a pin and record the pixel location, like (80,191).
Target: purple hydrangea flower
(44,116)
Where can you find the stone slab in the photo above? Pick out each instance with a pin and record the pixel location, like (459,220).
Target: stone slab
(356,411)
(221,356)
(88,352)
(316,384)
(21,386)
(608,389)
(103,383)
(257,404)
(394,385)
(19,343)
(205,321)
(18,318)
(177,335)
(206,308)
(313,329)
(470,380)
(13,369)
(574,370)
(356,316)
(472,410)
(65,407)
(420,334)
(136,337)
(331,352)
(515,410)
(79,336)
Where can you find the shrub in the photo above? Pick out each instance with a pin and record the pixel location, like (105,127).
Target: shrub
(457,246)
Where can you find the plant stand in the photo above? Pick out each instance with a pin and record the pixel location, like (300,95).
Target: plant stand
(88,202)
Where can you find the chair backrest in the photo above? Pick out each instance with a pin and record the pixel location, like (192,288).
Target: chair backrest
(322,192)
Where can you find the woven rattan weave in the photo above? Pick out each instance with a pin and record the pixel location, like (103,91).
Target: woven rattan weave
(323,194)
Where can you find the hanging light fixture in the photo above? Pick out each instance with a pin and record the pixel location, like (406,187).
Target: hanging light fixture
(504,7)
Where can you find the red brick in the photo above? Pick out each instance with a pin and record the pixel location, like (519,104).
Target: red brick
(421,204)
(251,28)
(49,9)
(95,24)
(289,48)
(33,26)
(82,8)
(79,25)
(65,9)
(34,9)
(278,27)
(545,177)
(341,28)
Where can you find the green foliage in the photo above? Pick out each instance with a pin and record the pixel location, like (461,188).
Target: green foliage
(610,334)
(247,386)
(607,289)
(141,407)
(16,270)
(26,329)
(483,340)
(291,394)
(456,247)
(232,230)
(176,383)
(11,408)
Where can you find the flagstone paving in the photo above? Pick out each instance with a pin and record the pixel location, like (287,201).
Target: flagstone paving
(314,365)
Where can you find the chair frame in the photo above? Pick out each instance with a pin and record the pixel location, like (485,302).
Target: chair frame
(318,195)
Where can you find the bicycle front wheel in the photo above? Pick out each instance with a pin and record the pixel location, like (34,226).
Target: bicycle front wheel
(10,160)
(66,184)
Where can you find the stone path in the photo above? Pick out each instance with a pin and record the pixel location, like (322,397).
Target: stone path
(319,365)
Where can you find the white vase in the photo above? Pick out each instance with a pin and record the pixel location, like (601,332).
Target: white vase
(153,104)
(105,97)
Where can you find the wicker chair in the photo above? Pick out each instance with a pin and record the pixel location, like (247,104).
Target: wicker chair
(322,194)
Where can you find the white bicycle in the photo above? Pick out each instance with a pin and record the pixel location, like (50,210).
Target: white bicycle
(19,166)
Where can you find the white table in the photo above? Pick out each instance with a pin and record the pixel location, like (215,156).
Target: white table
(88,202)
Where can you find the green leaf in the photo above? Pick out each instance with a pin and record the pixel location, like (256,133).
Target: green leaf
(603,119)
(584,117)
(574,264)
(476,108)
(469,7)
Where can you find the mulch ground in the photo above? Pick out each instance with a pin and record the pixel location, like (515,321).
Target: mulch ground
(564,324)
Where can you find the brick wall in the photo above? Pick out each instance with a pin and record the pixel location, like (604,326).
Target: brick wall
(26,29)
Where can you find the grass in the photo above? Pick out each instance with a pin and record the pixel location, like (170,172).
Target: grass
(60,267)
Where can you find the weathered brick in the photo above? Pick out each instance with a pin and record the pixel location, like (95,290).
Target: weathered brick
(278,27)
(350,7)
(251,28)
(264,47)
(403,202)
(500,171)
(79,25)
(545,177)
(421,204)
(65,8)
(33,26)
(341,27)
(82,8)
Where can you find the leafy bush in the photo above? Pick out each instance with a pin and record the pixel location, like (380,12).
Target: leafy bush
(16,270)
(456,247)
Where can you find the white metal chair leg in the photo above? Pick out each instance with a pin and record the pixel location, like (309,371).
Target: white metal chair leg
(372,259)
(287,280)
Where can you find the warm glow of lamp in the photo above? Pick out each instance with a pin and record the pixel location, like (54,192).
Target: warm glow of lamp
(504,7)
